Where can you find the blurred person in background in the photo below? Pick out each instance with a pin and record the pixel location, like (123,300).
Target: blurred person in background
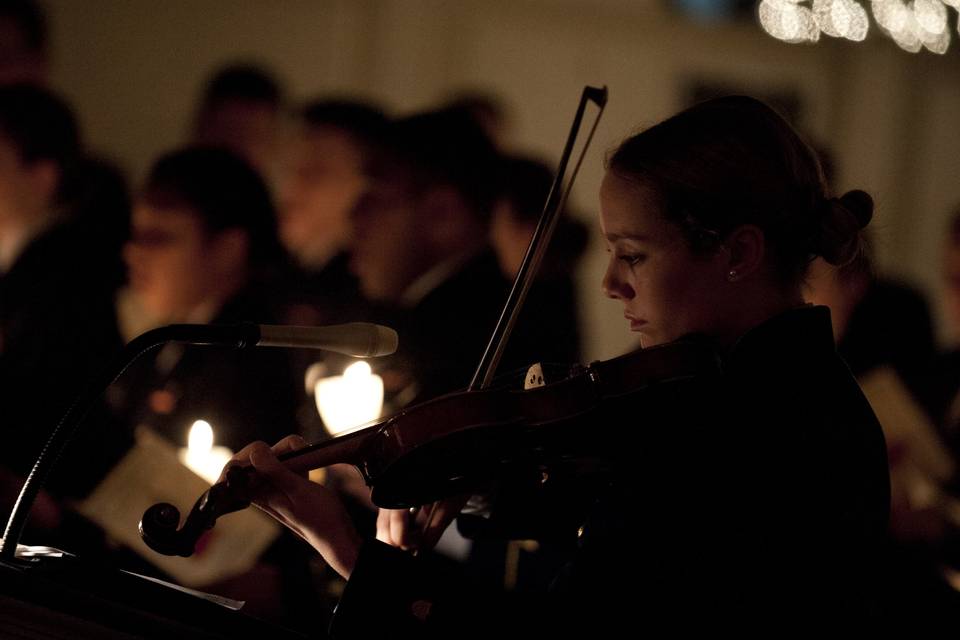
(322,180)
(100,194)
(884,333)
(548,324)
(547,332)
(241,110)
(56,320)
(23,43)
(933,540)
(419,248)
(203,249)
(325,177)
(421,252)
(489,110)
(944,396)
(876,320)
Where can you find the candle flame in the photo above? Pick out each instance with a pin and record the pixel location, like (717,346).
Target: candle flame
(200,439)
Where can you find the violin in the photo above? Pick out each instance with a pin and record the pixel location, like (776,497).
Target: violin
(461,442)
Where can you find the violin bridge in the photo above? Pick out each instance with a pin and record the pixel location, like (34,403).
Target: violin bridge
(534,377)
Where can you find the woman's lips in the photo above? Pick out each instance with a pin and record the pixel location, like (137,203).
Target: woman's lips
(635,323)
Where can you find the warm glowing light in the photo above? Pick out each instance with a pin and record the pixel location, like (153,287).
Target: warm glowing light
(200,439)
(859,24)
(912,24)
(201,456)
(833,17)
(349,400)
(357,370)
(789,21)
(931,16)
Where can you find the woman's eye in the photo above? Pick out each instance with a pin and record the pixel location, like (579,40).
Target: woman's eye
(631,258)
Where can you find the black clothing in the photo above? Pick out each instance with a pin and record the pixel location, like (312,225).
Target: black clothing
(548,327)
(442,337)
(245,394)
(891,325)
(755,492)
(330,295)
(100,214)
(57,330)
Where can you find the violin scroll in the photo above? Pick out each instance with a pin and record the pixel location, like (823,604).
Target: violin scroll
(158,526)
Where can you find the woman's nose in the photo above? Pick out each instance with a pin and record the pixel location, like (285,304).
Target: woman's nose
(613,286)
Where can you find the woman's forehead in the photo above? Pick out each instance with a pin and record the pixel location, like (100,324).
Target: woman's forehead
(628,208)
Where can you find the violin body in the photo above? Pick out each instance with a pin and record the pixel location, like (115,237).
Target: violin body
(465,442)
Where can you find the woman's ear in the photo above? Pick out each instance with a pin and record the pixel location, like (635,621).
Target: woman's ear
(745,251)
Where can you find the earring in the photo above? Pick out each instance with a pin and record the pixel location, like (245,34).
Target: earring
(732,275)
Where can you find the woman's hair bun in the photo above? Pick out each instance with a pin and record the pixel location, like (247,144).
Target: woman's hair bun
(860,204)
(841,221)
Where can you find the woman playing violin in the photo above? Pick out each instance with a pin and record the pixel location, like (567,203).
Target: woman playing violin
(755,494)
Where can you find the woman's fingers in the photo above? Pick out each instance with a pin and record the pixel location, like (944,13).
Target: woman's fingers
(440,516)
(243,457)
(308,509)
(288,444)
(419,528)
(240,458)
(289,484)
(398,528)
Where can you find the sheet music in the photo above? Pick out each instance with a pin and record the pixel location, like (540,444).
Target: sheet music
(151,473)
(229,603)
(29,551)
(37,551)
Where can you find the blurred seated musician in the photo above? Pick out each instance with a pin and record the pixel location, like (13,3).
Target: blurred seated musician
(99,202)
(24,57)
(751,493)
(323,180)
(548,326)
(876,320)
(420,249)
(56,310)
(203,249)
(241,110)
(944,396)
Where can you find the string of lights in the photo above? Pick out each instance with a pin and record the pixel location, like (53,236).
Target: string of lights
(912,24)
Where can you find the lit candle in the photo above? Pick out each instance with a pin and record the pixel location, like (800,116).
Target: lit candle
(349,400)
(201,456)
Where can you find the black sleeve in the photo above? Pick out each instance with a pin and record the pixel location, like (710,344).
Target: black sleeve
(393,594)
